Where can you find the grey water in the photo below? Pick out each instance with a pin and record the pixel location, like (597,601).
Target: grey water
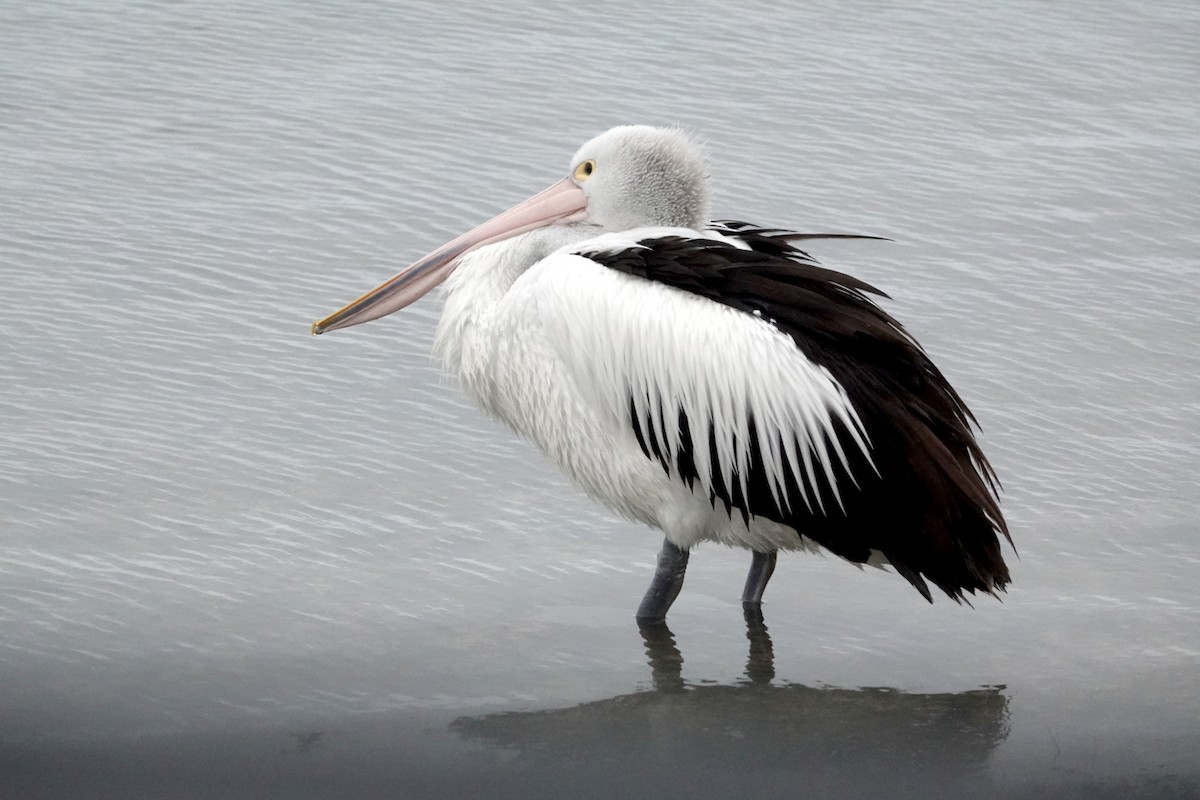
(240,561)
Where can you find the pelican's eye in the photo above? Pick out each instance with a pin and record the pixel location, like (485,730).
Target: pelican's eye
(585,170)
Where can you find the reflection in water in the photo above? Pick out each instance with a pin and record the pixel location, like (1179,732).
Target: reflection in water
(760,666)
(666,662)
(759,732)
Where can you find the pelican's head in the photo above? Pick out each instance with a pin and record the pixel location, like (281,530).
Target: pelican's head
(628,177)
(636,176)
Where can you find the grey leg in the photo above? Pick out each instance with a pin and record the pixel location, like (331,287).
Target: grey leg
(668,580)
(761,567)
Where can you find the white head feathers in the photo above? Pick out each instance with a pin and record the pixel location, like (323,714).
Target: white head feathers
(636,176)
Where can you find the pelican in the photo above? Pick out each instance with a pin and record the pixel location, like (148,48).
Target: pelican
(708,379)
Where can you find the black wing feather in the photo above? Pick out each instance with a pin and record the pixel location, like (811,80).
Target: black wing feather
(929,502)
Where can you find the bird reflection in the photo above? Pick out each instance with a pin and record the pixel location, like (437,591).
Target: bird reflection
(760,666)
(666,662)
(759,732)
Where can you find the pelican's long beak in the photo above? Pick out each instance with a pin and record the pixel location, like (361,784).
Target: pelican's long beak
(562,202)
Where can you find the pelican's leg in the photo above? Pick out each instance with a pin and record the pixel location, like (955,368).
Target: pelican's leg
(668,580)
(761,567)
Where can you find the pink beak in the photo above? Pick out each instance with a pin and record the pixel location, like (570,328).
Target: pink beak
(562,202)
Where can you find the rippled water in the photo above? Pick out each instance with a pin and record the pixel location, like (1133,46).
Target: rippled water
(237,560)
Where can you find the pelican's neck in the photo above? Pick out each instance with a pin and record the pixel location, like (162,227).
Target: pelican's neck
(483,277)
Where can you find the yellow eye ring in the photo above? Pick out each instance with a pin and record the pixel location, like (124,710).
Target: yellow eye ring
(585,170)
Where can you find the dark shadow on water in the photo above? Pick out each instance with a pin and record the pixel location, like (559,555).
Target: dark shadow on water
(755,736)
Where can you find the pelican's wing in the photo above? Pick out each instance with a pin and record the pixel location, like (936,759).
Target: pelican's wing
(779,389)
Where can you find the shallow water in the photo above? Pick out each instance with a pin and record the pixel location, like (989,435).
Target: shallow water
(238,560)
